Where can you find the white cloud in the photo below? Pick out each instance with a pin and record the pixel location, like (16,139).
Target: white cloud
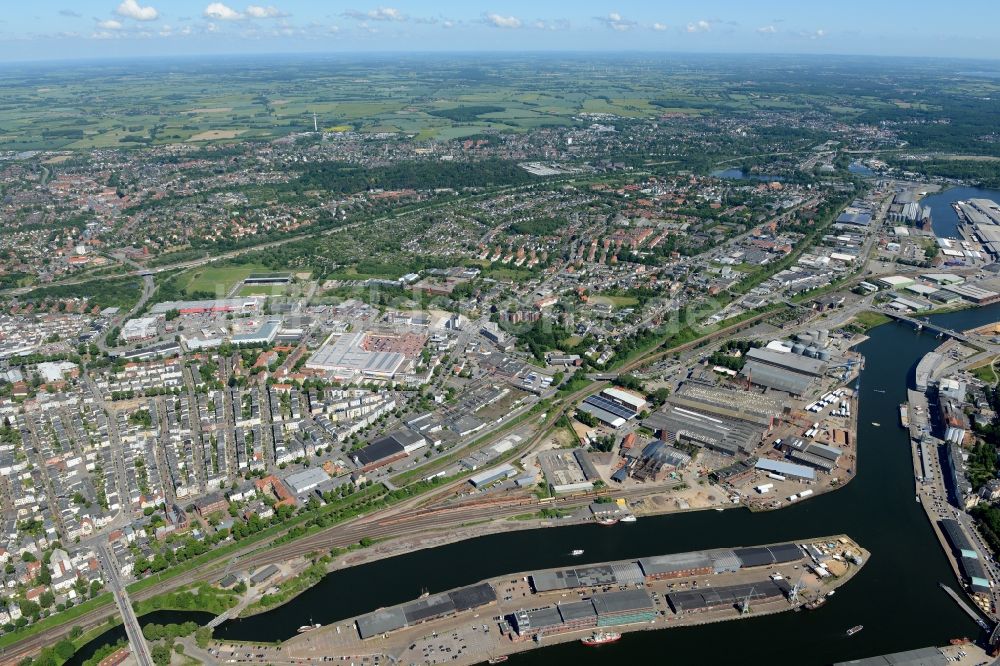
(386,14)
(659,27)
(699,26)
(217,10)
(767,30)
(256,11)
(447,23)
(110,24)
(816,34)
(377,14)
(499,21)
(133,10)
(616,21)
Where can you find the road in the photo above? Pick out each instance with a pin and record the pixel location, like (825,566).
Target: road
(137,642)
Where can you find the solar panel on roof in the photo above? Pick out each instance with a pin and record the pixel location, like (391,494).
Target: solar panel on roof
(609,406)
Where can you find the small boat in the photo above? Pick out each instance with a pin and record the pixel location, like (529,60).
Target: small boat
(880,390)
(601,638)
(629,519)
(877,425)
(607,522)
(309,627)
(499,659)
(816,603)
(831,593)
(855,629)
(577,552)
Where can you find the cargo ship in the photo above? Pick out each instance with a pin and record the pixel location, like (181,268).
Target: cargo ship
(904,415)
(607,522)
(601,638)
(855,629)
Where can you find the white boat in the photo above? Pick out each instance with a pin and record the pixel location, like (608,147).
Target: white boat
(577,552)
(629,519)
(876,424)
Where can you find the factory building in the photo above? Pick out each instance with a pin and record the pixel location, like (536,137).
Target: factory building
(388,449)
(954,421)
(217,306)
(718,433)
(264,335)
(489,476)
(140,328)
(346,358)
(657,460)
(812,454)
(790,373)
(302,482)
(740,405)
(785,469)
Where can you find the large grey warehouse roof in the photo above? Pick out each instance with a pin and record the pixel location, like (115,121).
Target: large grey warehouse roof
(928,656)
(730,595)
(618,573)
(955,536)
(759,556)
(662,564)
(705,429)
(381,621)
(576,610)
(610,603)
(787,360)
(776,378)
(389,619)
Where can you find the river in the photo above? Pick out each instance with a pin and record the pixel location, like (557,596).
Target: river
(118,633)
(944,218)
(895,596)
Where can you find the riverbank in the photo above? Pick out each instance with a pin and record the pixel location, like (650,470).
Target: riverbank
(761,581)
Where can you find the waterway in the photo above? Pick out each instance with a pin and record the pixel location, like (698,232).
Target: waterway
(944,218)
(118,633)
(895,596)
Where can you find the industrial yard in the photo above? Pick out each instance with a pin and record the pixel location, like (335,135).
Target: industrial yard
(521,611)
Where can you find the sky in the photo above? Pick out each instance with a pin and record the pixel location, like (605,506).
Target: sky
(83,29)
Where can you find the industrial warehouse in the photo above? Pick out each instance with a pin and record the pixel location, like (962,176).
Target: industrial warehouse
(515,612)
(723,420)
(425,609)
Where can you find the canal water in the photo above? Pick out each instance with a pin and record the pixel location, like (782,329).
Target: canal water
(943,216)
(118,633)
(896,595)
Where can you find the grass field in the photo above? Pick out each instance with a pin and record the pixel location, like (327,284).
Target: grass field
(985,372)
(617,301)
(219,280)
